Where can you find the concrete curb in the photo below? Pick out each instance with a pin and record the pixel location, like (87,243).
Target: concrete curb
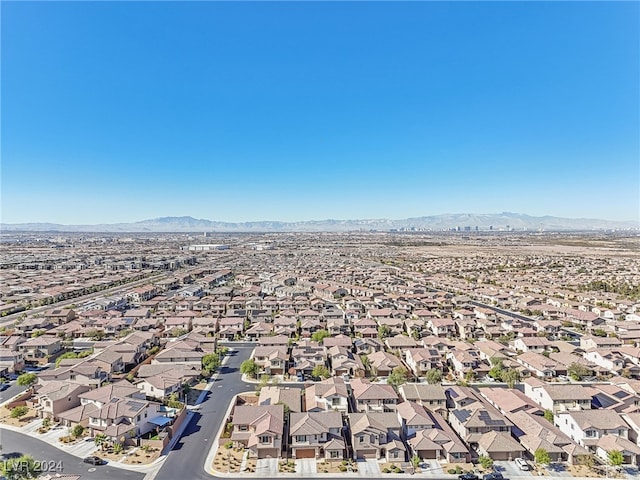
(216,441)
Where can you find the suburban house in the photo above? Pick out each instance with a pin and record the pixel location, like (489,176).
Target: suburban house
(40,349)
(57,396)
(557,397)
(316,435)
(274,395)
(259,429)
(327,395)
(421,360)
(439,442)
(376,435)
(383,363)
(600,431)
(429,396)
(535,432)
(272,360)
(373,397)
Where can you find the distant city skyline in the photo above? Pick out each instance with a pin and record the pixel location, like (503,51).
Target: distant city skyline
(290,111)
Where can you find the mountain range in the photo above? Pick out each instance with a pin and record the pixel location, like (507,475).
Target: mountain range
(496,221)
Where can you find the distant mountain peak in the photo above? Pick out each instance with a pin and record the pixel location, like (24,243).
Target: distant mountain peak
(456,221)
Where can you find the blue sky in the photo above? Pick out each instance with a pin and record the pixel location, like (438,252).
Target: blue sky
(117,112)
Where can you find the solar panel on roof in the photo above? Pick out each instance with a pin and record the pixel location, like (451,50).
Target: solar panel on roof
(135,405)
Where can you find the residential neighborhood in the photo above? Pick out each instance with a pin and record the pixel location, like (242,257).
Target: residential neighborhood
(359,358)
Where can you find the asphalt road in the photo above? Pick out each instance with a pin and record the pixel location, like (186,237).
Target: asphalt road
(15,444)
(186,460)
(13,390)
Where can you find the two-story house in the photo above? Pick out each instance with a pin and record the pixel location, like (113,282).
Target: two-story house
(327,395)
(316,435)
(259,429)
(376,435)
(600,431)
(557,397)
(373,397)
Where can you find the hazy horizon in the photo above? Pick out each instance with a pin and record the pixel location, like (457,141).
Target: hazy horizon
(117,112)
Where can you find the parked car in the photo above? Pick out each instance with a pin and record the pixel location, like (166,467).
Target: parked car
(522,464)
(468,476)
(3,386)
(493,476)
(93,460)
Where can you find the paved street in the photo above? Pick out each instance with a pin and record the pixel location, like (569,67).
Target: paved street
(14,443)
(13,390)
(187,459)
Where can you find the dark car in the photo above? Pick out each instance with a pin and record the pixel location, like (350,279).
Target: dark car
(93,460)
(468,476)
(3,386)
(493,476)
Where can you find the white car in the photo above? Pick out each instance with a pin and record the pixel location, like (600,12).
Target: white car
(522,464)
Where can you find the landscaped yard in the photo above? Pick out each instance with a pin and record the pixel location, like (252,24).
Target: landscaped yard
(458,467)
(250,467)
(336,466)
(5,417)
(287,466)
(141,457)
(111,455)
(393,468)
(228,460)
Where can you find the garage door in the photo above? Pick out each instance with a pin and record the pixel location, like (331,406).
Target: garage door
(305,453)
(366,454)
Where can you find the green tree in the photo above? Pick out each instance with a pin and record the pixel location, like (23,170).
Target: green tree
(397,377)
(384,331)
(174,402)
(186,388)
(250,368)
(415,461)
(20,468)
(485,461)
(95,334)
(434,376)
(542,457)
(210,363)
(320,335)
(496,369)
(615,458)
(100,439)
(510,376)
(264,381)
(548,414)
(320,371)
(577,371)
(27,379)
(65,356)
(18,412)
(77,431)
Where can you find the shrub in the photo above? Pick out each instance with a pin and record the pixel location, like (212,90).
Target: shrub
(20,411)
(385,470)
(452,471)
(228,445)
(342,468)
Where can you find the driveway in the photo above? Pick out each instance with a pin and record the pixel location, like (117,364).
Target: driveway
(511,469)
(368,468)
(306,466)
(266,467)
